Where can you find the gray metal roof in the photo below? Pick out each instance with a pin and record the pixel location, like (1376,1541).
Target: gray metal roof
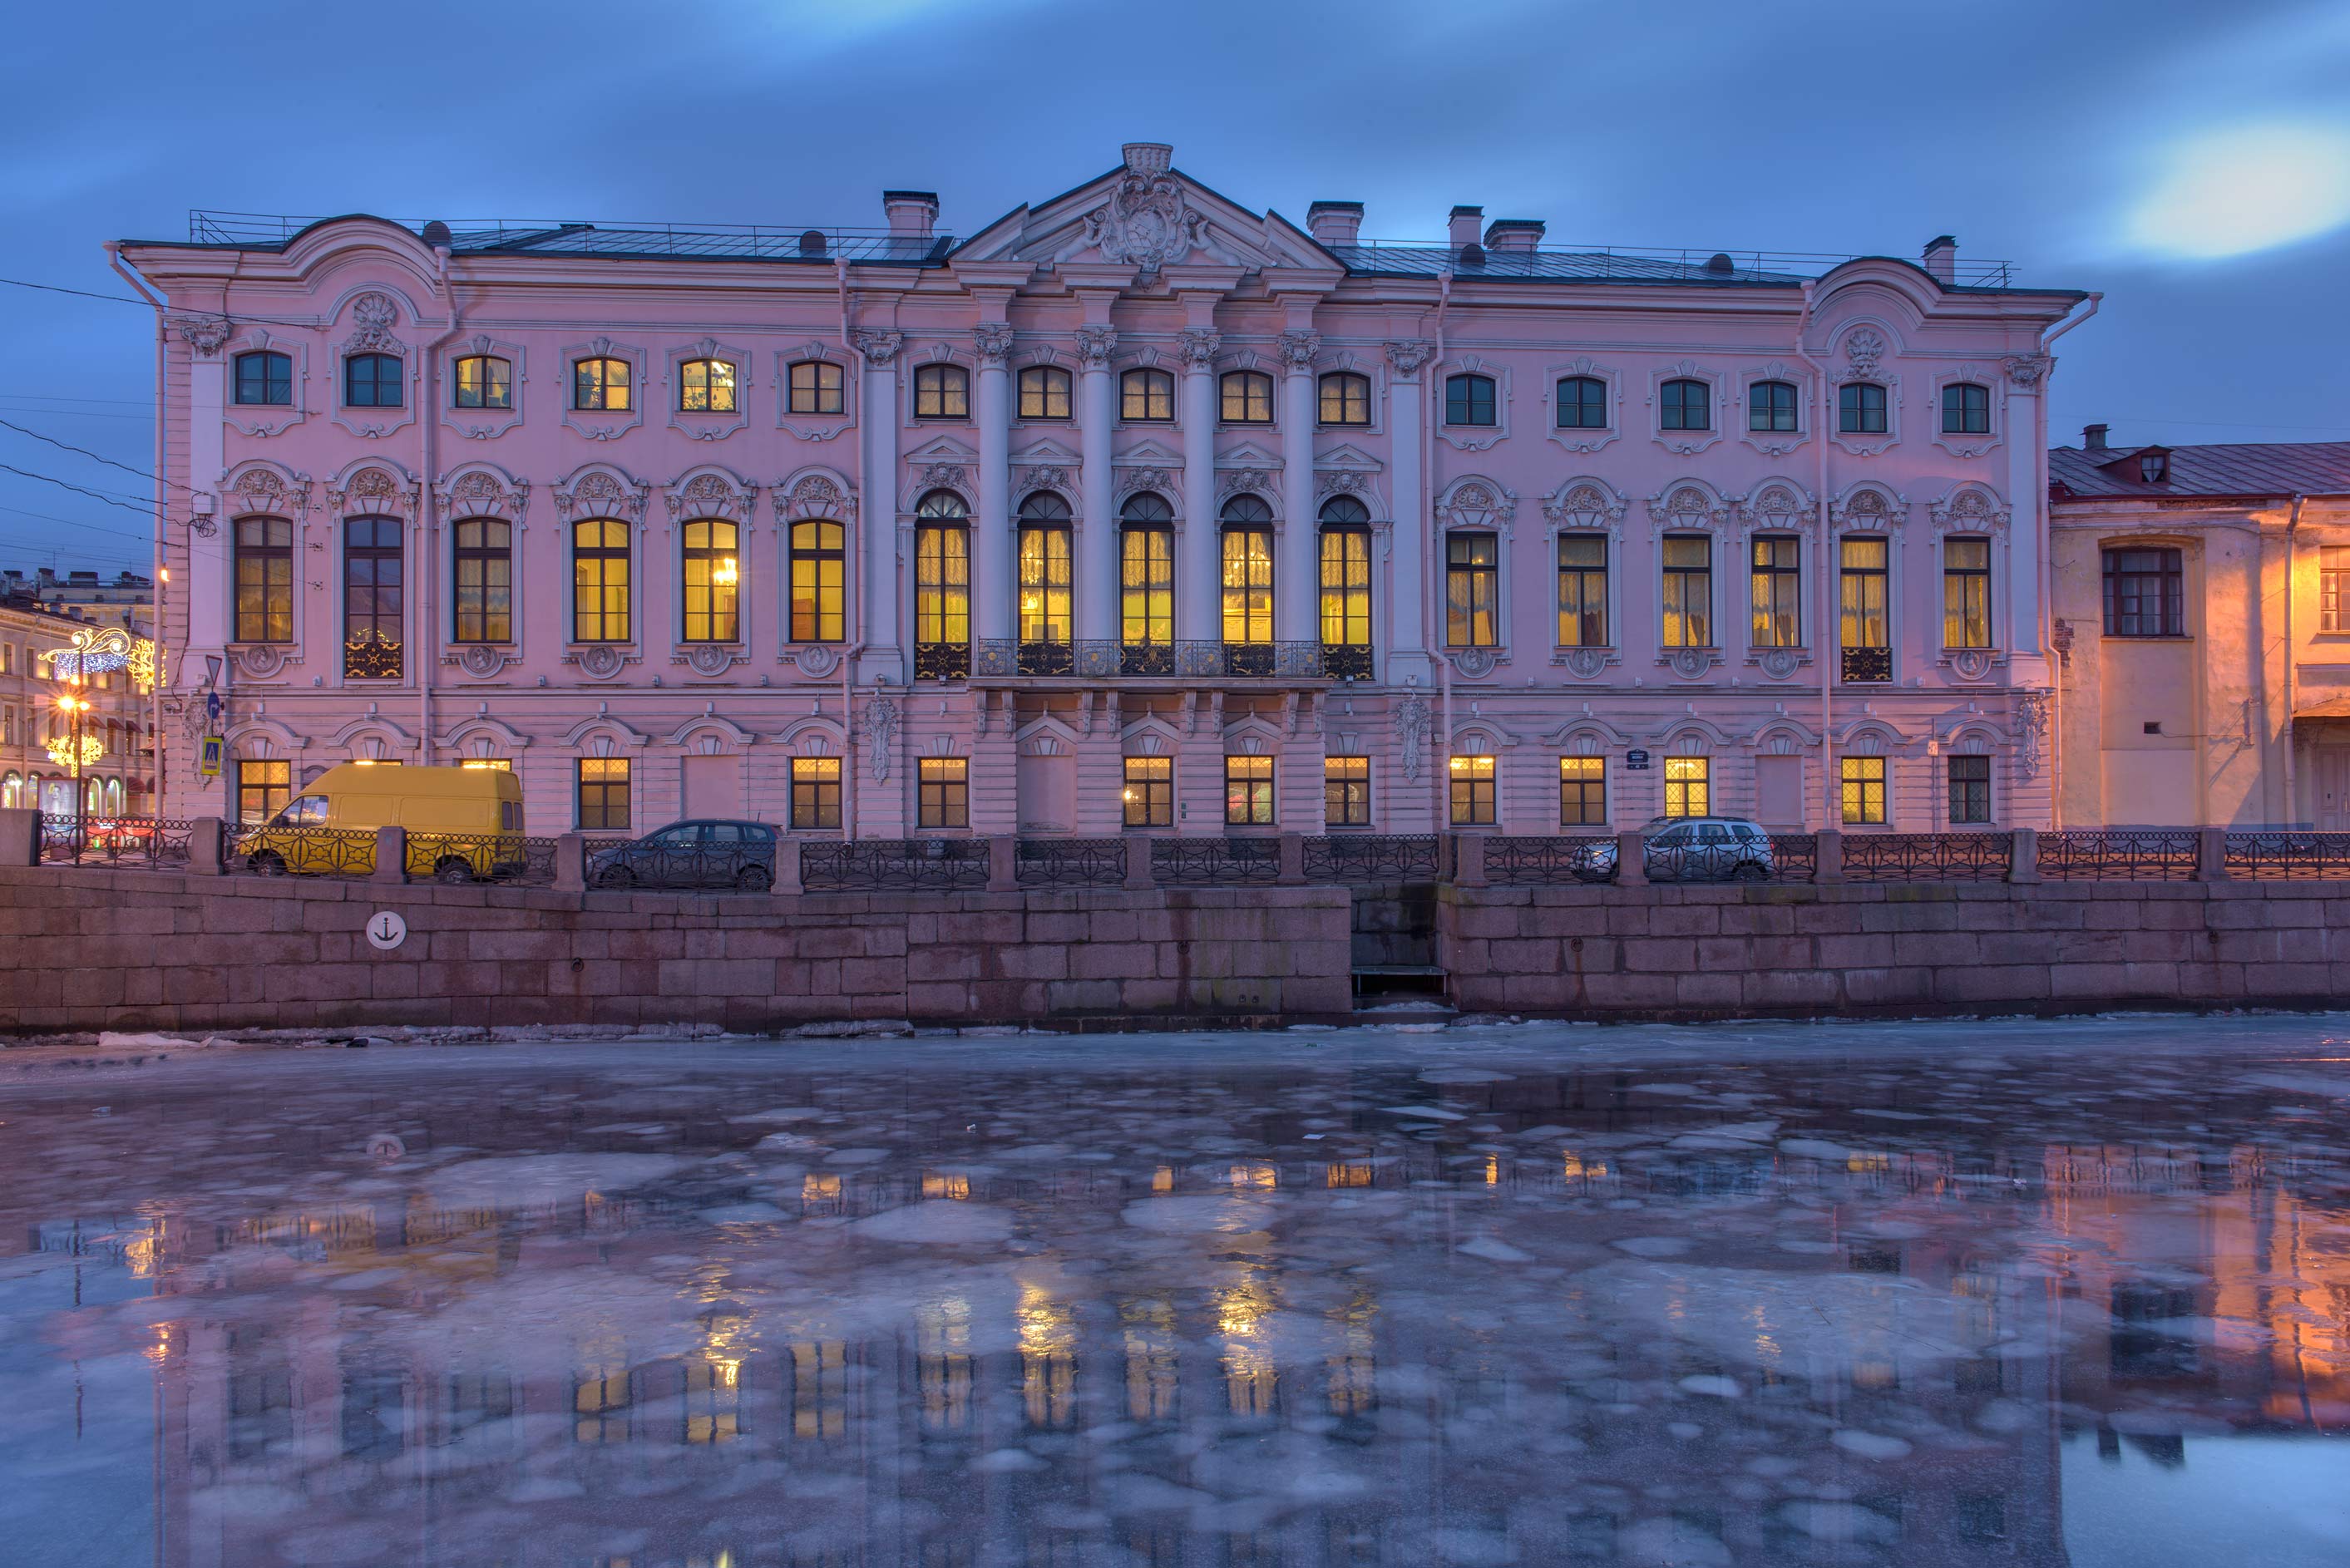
(1618,264)
(2253,468)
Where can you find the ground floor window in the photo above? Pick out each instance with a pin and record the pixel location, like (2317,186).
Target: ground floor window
(1969,789)
(1864,790)
(500,765)
(1150,792)
(1582,792)
(604,795)
(815,793)
(1472,792)
(1248,792)
(1688,787)
(944,787)
(263,788)
(1347,791)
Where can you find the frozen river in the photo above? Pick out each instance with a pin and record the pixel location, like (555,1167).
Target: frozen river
(1979,1293)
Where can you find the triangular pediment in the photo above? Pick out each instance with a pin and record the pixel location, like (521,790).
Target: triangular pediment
(1248,454)
(1044,450)
(1345,456)
(943,449)
(1152,451)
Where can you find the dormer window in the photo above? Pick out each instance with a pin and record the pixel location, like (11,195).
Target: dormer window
(2153,467)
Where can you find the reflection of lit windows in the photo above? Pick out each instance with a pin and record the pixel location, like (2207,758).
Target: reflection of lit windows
(600,1398)
(820,1389)
(942,1366)
(1150,1360)
(713,1392)
(1352,1387)
(947,1185)
(1348,1175)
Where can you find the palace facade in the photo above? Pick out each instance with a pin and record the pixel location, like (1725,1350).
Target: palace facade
(1134,509)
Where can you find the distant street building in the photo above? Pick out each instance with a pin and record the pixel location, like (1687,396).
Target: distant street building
(1135,509)
(37,756)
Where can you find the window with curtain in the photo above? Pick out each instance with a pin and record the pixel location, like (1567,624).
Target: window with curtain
(1582,792)
(1346,399)
(1146,395)
(1248,792)
(1582,403)
(264,579)
(1345,587)
(1473,594)
(483,382)
(942,792)
(1860,409)
(373,600)
(1966,409)
(482,585)
(1778,591)
(1045,574)
(1247,398)
(1966,593)
(942,392)
(1471,785)
(599,580)
(1044,392)
(265,377)
(818,386)
(713,582)
(1771,406)
(705,386)
(1469,399)
(1688,591)
(942,587)
(373,381)
(600,384)
(1247,544)
(2145,593)
(1583,590)
(1864,791)
(602,788)
(1864,596)
(1685,405)
(1147,584)
(1347,791)
(819,582)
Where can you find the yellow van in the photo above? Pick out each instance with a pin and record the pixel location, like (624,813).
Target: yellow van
(463,823)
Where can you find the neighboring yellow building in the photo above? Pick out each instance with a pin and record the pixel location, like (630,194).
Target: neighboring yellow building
(2191,687)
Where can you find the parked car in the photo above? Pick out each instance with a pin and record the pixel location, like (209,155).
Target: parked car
(463,823)
(698,854)
(1689,850)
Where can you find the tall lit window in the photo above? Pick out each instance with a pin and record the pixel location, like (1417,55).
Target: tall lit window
(1969,789)
(265,377)
(373,381)
(1864,790)
(1346,399)
(704,387)
(373,600)
(1685,405)
(1966,593)
(942,792)
(1248,792)
(1472,787)
(1248,570)
(1966,409)
(1582,792)
(483,382)
(1149,794)
(482,588)
(1472,596)
(1044,392)
(1146,609)
(1778,591)
(818,386)
(1863,591)
(942,392)
(599,580)
(264,579)
(2146,593)
(602,786)
(1247,398)
(1687,786)
(815,793)
(1583,590)
(601,383)
(1688,591)
(1860,409)
(1771,406)
(941,578)
(1346,578)
(2332,587)
(1582,403)
(1044,570)
(714,575)
(263,788)
(1147,395)
(1468,399)
(819,578)
(1347,791)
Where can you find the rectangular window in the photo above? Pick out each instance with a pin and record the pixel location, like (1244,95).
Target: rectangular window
(1860,409)
(1347,791)
(1044,586)
(713,582)
(815,793)
(1146,600)
(600,384)
(1582,792)
(484,381)
(2333,587)
(1689,790)
(2146,593)
(1688,591)
(1248,585)
(599,581)
(372,599)
(1966,593)
(1044,392)
(1864,790)
(1966,409)
(1583,590)
(1247,398)
(1862,564)
(942,586)
(1347,589)
(1472,791)
(818,388)
(819,582)
(264,579)
(1147,395)
(603,787)
(1468,401)
(1248,792)
(484,599)
(1969,789)
(942,392)
(944,788)
(1149,792)
(706,386)
(1473,615)
(1778,584)
(263,788)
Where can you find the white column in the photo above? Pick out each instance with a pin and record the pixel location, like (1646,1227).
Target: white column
(1199,597)
(993,551)
(207,590)
(877,510)
(2027,498)
(1297,574)
(1407,658)
(1097,563)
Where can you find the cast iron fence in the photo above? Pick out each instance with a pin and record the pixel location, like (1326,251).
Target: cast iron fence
(2132,855)
(136,842)
(1070,862)
(738,866)
(265,851)
(1214,862)
(893,864)
(1511,860)
(1375,858)
(1102,658)
(457,858)
(1711,860)
(2287,854)
(1928,856)
(1794,857)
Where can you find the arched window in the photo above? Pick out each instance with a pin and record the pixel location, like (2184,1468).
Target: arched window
(483,382)
(1346,399)
(1346,588)
(599,580)
(819,578)
(1147,395)
(265,377)
(1147,584)
(942,392)
(1966,409)
(483,581)
(1248,397)
(1248,585)
(1044,392)
(12,789)
(1771,406)
(942,587)
(713,577)
(1860,409)
(818,386)
(1045,634)
(600,384)
(703,386)
(373,600)
(1685,405)
(372,382)
(264,579)
(1468,399)
(1582,403)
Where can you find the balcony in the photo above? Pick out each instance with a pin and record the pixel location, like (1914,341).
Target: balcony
(371,656)
(1868,667)
(996,659)
(941,661)
(1347,661)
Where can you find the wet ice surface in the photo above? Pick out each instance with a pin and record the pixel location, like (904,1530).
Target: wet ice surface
(1924,1294)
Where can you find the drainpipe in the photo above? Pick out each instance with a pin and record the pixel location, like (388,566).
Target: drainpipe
(1431,388)
(428,420)
(162,574)
(1828,790)
(2048,573)
(851,563)
(2292,651)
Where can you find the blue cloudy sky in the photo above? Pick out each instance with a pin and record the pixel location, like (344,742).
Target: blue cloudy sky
(2190,160)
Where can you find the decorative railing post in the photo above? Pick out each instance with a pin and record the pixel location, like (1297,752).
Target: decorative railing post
(1293,860)
(2211,854)
(571,863)
(1002,863)
(1829,864)
(1631,859)
(2024,855)
(391,855)
(207,841)
(1469,860)
(787,866)
(1138,879)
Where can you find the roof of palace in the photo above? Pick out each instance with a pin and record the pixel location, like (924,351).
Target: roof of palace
(2251,469)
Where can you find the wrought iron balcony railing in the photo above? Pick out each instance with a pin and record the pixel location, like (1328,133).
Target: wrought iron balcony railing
(1868,666)
(1099,659)
(371,656)
(941,661)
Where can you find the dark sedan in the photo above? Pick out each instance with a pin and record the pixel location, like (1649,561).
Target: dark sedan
(738,856)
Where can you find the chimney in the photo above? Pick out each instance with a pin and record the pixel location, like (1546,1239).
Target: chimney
(1334,223)
(912,213)
(1942,259)
(1519,236)
(1466,221)
(2092,437)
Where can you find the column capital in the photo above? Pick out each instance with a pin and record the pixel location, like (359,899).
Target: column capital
(879,346)
(1200,345)
(1298,347)
(1409,356)
(2026,370)
(993,341)
(1094,344)
(204,335)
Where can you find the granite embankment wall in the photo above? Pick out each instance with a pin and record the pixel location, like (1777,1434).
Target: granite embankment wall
(85,948)
(1911,947)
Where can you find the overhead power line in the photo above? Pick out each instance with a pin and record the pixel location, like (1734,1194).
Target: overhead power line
(143,509)
(84,451)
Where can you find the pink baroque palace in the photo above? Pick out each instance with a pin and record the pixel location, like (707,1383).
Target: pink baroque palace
(1133,511)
